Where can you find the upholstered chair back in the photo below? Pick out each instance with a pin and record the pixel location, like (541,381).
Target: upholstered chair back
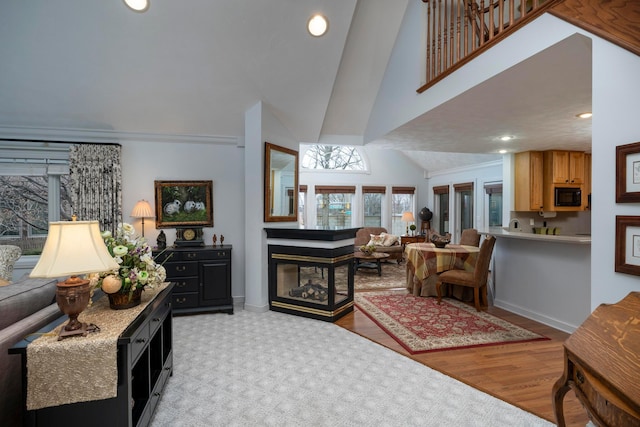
(9,254)
(481,271)
(470,237)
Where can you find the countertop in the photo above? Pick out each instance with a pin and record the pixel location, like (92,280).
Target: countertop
(500,232)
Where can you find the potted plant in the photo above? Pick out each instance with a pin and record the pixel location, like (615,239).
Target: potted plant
(413,227)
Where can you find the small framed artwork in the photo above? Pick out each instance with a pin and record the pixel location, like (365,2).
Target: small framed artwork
(628,173)
(628,244)
(184,203)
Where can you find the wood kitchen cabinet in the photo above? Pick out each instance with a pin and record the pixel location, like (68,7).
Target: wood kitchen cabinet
(587,181)
(529,180)
(565,167)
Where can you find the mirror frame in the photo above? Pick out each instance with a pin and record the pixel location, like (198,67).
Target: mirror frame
(268,217)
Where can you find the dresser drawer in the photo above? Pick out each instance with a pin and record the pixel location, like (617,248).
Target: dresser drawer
(606,405)
(139,341)
(186,300)
(185,284)
(181,269)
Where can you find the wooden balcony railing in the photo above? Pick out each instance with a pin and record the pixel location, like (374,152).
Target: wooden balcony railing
(458,30)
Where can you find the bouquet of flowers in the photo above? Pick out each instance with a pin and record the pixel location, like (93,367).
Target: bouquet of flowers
(137,267)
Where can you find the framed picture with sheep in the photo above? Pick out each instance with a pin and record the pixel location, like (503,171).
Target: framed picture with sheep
(184,203)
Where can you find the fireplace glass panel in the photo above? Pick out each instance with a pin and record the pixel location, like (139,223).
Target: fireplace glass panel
(341,281)
(303,283)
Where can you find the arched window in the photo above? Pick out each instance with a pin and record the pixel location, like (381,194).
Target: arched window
(332,157)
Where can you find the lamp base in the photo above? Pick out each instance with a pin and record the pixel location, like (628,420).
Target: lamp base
(83,330)
(72,297)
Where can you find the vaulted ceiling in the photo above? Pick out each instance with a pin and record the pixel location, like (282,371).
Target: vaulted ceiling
(192,68)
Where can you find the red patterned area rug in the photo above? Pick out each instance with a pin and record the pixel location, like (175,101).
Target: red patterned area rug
(420,325)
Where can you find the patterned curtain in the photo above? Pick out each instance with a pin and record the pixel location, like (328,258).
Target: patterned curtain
(96,183)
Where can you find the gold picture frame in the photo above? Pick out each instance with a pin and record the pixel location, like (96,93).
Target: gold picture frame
(184,203)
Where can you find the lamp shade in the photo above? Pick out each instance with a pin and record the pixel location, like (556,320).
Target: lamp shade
(72,248)
(407,217)
(142,209)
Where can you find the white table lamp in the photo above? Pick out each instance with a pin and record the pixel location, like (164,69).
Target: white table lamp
(73,248)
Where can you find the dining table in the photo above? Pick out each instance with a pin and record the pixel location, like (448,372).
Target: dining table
(425,261)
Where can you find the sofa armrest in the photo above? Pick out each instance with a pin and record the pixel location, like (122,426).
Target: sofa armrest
(10,364)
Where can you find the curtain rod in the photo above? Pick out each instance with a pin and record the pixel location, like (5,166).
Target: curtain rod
(59,142)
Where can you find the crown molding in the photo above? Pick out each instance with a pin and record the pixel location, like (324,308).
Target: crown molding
(467,168)
(107,136)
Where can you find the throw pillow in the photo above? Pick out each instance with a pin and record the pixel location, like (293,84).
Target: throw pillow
(376,240)
(390,240)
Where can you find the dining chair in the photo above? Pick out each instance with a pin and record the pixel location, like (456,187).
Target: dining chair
(470,237)
(476,279)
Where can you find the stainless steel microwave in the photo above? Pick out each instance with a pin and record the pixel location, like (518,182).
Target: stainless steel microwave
(568,196)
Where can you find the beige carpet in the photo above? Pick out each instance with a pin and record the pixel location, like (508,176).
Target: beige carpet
(275,369)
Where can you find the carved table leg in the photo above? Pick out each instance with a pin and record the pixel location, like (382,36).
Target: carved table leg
(559,390)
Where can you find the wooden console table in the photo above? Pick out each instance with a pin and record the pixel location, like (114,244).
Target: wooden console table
(144,364)
(602,365)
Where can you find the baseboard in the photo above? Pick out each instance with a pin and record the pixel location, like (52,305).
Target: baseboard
(538,317)
(255,308)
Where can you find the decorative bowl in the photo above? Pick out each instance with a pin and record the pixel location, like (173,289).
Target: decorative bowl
(441,243)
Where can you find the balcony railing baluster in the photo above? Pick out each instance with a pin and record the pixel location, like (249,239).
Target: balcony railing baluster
(457,30)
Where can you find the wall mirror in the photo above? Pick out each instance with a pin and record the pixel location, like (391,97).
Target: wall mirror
(280,184)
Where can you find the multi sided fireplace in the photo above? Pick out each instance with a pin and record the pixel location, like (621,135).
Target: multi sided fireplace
(311,272)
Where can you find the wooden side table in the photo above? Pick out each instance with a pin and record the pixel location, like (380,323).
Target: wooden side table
(602,365)
(371,261)
(418,238)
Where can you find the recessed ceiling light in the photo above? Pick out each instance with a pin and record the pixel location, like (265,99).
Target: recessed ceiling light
(317,25)
(584,115)
(506,138)
(137,5)
(502,151)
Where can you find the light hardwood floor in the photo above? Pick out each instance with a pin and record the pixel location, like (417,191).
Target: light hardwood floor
(521,374)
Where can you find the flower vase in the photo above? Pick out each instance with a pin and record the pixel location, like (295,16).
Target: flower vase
(121,300)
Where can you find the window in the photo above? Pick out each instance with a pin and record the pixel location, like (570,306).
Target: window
(332,157)
(494,204)
(334,206)
(402,201)
(34,178)
(302,205)
(441,203)
(464,206)
(372,203)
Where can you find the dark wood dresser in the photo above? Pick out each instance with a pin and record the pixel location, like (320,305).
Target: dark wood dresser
(602,365)
(202,278)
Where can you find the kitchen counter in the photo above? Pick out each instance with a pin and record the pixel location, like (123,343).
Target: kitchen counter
(498,232)
(542,277)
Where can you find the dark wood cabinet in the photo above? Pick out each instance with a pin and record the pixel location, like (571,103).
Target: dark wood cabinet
(602,365)
(202,278)
(145,363)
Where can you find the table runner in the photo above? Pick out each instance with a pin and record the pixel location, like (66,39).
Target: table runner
(80,369)
(424,261)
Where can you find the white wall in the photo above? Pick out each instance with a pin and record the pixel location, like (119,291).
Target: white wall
(479,175)
(387,168)
(616,88)
(614,96)
(260,126)
(144,162)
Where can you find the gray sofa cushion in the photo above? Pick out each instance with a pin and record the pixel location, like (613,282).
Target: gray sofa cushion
(24,297)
